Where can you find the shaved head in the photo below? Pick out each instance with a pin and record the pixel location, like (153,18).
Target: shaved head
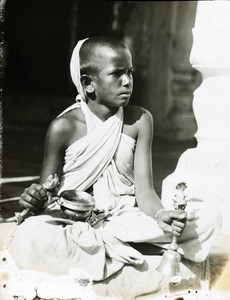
(94,52)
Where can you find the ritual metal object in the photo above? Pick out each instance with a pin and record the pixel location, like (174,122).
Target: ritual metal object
(80,206)
(76,205)
(170,264)
(51,187)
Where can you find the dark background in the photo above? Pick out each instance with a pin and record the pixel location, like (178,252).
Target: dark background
(39,37)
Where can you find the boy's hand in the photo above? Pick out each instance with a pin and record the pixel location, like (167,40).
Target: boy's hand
(33,197)
(172,221)
(96,216)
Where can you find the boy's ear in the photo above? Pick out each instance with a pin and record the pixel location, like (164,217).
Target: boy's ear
(86,81)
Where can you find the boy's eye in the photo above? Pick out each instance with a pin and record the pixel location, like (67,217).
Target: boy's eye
(117,73)
(130,72)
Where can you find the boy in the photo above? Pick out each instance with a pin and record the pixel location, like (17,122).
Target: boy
(105,85)
(102,146)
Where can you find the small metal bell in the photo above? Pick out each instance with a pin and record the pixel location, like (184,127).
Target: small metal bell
(170,264)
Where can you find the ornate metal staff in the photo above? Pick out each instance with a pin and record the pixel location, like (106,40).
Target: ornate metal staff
(51,189)
(170,264)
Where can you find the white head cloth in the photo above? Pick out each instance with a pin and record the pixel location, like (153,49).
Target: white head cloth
(75,70)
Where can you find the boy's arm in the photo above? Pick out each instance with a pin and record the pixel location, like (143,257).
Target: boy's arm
(147,199)
(55,144)
(35,196)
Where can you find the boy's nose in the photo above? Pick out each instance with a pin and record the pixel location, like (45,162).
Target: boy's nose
(126,80)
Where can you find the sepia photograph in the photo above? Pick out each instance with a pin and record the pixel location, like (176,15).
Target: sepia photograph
(114,150)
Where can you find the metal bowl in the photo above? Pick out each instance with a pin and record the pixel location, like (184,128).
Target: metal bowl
(76,205)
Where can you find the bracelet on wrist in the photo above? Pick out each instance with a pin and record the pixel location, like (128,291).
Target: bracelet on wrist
(157,213)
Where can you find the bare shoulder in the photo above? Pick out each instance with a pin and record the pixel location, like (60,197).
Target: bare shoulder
(136,115)
(64,127)
(137,121)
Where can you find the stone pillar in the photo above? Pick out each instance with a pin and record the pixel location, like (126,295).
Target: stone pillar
(206,168)
(171,79)
(179,121)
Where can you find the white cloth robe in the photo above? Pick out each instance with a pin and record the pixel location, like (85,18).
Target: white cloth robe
(104,157)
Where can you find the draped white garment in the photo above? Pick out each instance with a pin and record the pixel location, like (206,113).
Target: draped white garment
(90,160)
(103,158)
(87,158)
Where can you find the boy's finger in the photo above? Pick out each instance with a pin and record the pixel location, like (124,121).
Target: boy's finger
(183,215)
(24,204)
(176,229)
(177,234)
(26,201)
(165,227)
(178,223)
(38,195)
(32,193)
(39,189)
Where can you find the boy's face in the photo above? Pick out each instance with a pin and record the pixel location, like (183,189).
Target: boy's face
(113,83)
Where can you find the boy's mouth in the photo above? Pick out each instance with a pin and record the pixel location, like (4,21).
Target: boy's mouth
(127,93)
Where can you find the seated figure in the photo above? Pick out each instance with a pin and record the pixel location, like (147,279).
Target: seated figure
(101,145)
